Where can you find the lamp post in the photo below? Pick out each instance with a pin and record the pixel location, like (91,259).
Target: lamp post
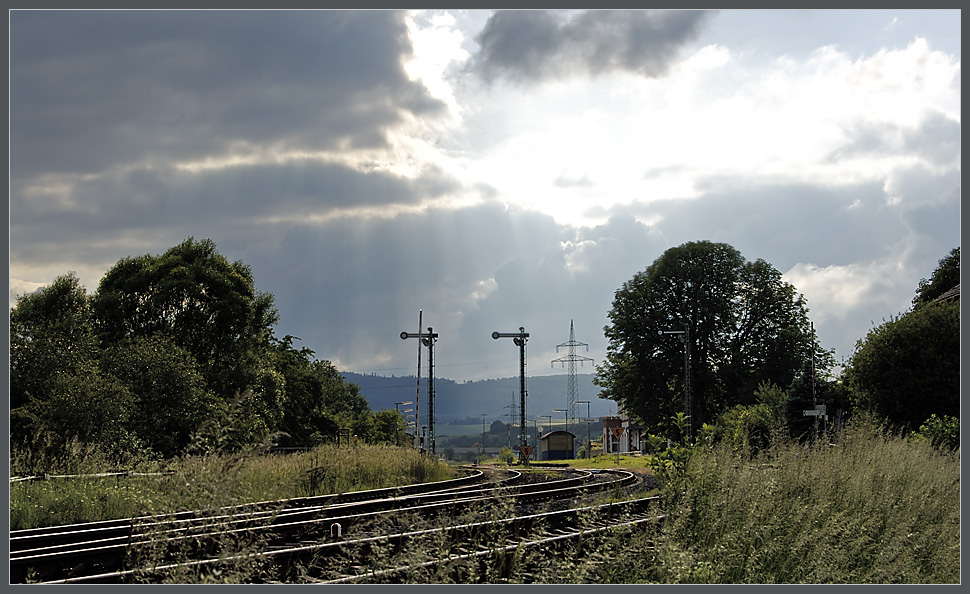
(565,415)
(588,442)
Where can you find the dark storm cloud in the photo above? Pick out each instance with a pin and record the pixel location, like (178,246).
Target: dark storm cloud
(222,202)
(535,45)
(95,89)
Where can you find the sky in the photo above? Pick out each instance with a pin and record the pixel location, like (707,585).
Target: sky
(492,170)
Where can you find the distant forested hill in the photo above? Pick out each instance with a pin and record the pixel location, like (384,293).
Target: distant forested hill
(456,402)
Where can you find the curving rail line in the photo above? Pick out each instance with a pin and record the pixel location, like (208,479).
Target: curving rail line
(107,551)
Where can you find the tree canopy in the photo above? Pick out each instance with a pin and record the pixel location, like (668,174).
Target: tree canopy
(173,354)
(908,368)
(944,277)
(745,326)
(199,300)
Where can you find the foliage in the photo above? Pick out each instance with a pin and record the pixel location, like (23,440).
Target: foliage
(751,428)
(199,300)
(745,325)
(945,277)
(909,367)
(943,432)
(58,389)
(174,354)
(170,396)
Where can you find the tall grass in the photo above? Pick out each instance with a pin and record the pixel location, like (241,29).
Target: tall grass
(872,508)
(210,482)
(869,508)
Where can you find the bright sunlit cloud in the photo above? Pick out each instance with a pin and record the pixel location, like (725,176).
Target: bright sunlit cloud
(495,169)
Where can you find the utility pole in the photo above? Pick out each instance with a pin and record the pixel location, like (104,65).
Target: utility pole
(685,338)
(404,417)
(511,416)
(427,339)
(519,338)
(483,435)
(588,442)
(571,359)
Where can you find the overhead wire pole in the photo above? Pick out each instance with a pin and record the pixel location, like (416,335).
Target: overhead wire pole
(571,358)
(417,396)
(428,340)
(519,338)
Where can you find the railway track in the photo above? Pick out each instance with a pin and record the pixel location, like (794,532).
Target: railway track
(290,533)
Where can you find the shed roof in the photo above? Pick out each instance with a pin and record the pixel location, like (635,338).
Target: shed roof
(546,436)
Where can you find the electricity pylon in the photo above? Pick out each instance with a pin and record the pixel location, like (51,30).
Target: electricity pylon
(571,359)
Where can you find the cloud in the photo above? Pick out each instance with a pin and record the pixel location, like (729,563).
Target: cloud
(345,157)
(531,45)
(93,90)
(349,287)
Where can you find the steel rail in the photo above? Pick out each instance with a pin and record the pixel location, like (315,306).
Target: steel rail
(287,523)
(34,538)
(491,550)
(331,550)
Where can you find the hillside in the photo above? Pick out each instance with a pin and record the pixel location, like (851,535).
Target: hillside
(456,402)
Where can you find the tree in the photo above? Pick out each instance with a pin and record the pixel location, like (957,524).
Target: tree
(908,368)
(170,397)
(389,427)
(945,277)
(745,325)
(199,300)
(174,353)
(306,418)
(58,390)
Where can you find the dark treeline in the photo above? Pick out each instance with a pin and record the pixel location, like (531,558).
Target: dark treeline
(173,354)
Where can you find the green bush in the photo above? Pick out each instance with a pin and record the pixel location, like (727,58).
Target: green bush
(943,432)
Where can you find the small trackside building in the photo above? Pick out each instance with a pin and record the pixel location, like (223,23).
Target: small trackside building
(556,445)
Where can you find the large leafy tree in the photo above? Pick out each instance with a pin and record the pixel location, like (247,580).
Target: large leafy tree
(174,353)
(745,326)
(199,300)
(908,368)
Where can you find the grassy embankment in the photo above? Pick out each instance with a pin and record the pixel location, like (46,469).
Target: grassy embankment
(210,482)
(872,508)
